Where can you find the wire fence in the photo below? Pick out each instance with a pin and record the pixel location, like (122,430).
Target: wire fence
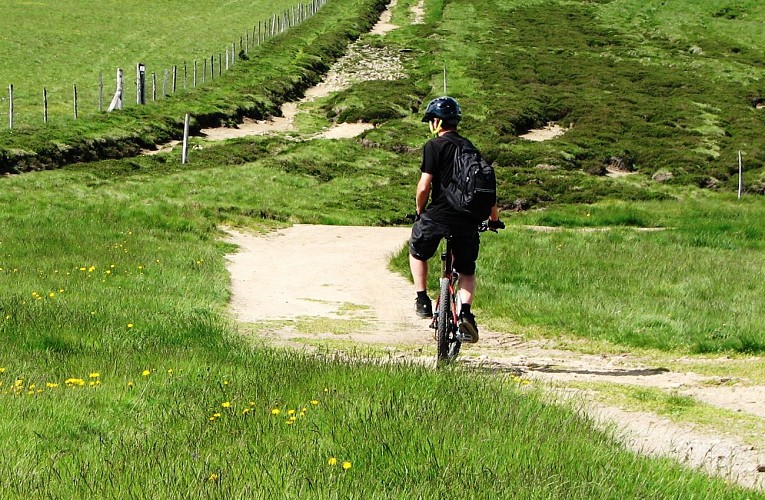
(136,85)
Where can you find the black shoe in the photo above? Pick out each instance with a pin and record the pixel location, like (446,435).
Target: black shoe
(423,309)
(467,328)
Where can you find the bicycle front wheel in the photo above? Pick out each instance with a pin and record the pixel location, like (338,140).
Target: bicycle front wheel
(444,320)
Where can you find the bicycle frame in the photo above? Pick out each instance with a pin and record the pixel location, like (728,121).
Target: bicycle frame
(448,299)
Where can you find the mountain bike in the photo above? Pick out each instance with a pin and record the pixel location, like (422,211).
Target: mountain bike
(445,318)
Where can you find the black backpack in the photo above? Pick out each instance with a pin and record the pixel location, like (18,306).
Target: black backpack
(472,187)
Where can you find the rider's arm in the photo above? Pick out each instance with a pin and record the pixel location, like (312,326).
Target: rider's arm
(494,213)
(423,192)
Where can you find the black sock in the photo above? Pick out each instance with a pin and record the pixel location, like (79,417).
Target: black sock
(465,309)
(422,297)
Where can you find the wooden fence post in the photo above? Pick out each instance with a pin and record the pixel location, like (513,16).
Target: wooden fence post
(117,100)
(10,106)
(740,175)
(140,83)
(185,149)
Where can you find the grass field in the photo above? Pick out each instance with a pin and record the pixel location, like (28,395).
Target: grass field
(58,44)
(122,374)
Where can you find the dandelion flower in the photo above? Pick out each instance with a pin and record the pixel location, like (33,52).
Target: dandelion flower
(332,461)
(347,465)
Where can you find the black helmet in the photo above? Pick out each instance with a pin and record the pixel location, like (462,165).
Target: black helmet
(445,108)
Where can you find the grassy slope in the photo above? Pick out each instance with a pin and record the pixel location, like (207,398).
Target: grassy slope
(279,70)
(158,34)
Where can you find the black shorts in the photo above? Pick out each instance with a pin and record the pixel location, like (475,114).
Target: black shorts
(426,235)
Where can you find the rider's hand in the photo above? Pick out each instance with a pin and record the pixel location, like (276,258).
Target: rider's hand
(496,224)
(435,128)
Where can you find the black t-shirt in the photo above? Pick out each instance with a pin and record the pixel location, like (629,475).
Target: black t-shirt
(438,160)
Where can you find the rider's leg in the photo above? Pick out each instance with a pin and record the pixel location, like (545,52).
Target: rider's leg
(467,288)
(419,270)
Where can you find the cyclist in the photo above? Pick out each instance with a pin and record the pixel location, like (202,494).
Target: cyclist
(439,218)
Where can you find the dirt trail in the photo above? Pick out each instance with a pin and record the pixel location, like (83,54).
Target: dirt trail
(335,275)
(360,63)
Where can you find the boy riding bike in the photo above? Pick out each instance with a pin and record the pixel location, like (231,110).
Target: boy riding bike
(442,218)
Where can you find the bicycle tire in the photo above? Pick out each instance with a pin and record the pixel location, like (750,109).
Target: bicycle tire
(444,321)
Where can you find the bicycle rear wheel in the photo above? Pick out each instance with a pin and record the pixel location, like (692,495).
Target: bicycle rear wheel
(444,321)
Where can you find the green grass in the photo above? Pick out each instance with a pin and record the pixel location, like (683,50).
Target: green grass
(155,223)
(117,268)
(690,287)
(89,40)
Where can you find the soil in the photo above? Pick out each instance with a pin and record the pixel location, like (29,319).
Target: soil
(336,280)
(546,133)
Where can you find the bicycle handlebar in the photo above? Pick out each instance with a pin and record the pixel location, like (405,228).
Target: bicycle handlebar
(491,225)
(487,225)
